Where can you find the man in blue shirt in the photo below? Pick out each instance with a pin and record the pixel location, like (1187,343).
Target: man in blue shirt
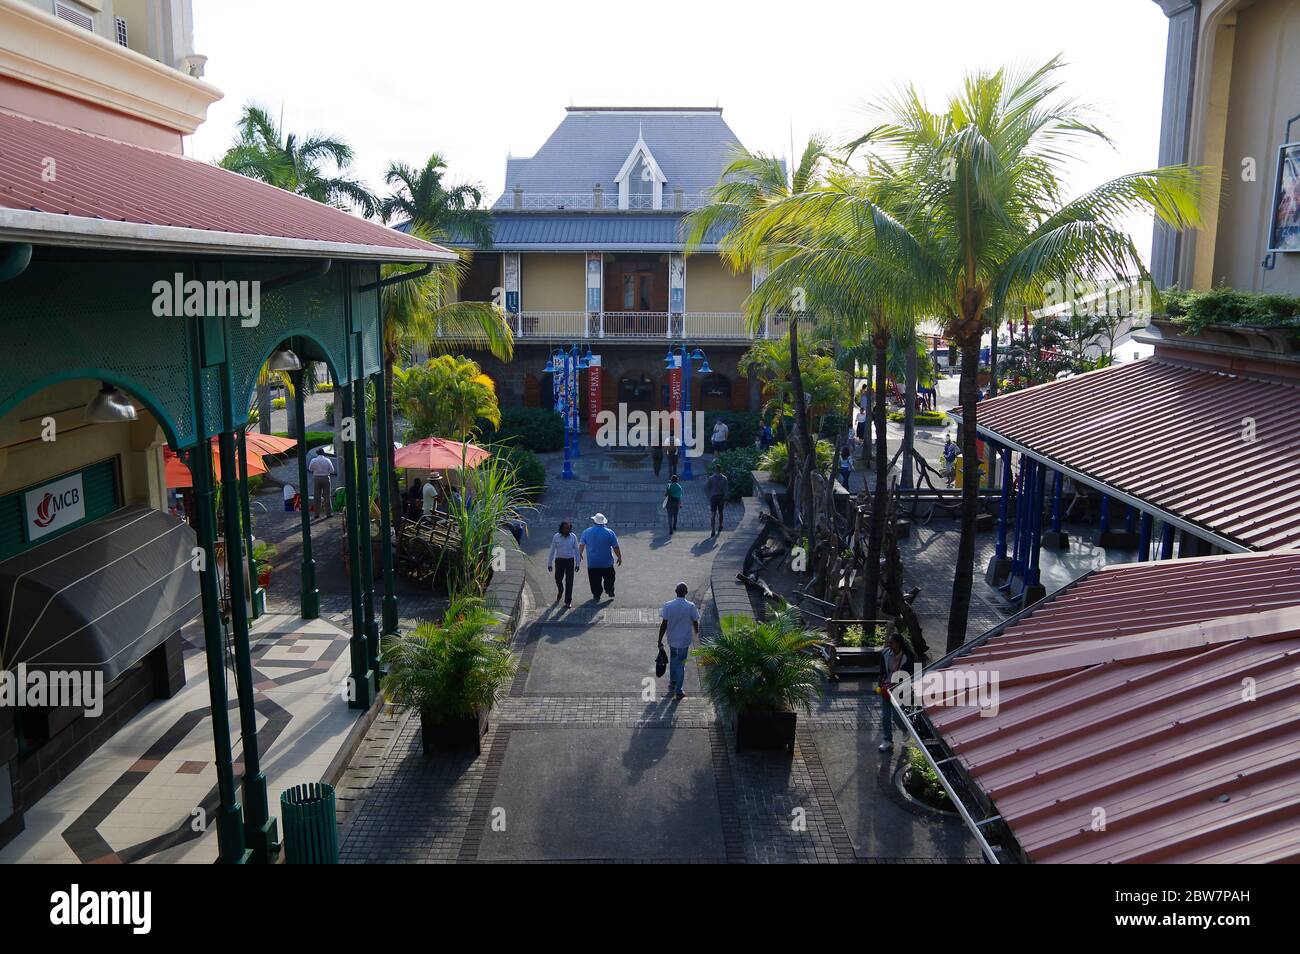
(599,546)
(681,624)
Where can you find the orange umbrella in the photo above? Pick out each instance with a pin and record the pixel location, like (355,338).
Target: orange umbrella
(436,453)
(179,476)
(259,443)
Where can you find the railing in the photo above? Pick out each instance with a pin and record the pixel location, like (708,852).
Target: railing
(716,324)
(634,325)
(587,202)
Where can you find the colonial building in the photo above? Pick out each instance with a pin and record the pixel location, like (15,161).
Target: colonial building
(588,248)
(1232,102)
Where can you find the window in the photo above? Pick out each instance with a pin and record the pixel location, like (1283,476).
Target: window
(641,181)
(120,26)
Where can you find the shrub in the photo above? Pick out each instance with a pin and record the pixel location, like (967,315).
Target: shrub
(754,666)
(314,439)
(925,783)
(535,428)
(834,426)
(1195,310)
(278,404)
(742,428)
(738,464)
(529,469)
(329,413)
(323,387)
(777,459)
(451,669)
(922,418)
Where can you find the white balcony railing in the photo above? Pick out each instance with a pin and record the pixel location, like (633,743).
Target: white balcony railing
(587,202)
(636,326)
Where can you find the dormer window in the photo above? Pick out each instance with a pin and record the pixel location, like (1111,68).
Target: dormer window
(640,181)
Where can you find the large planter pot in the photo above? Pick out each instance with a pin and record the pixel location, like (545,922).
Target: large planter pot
(454,735)
(764,730)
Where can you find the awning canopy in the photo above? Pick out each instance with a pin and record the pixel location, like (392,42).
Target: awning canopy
(1214,451)
(100,596)
(1164,693)
(110,194)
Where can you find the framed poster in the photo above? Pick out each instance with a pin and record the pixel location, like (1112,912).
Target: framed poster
(1284,229)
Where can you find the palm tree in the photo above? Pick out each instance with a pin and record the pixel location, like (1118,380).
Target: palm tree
(984,221)
(445,397)
(421,311)
(316,166)
(747,186)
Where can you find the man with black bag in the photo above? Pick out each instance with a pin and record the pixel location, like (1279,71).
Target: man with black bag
(681,624)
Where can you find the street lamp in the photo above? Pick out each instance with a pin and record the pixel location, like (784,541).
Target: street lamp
(686,356)
(564,369)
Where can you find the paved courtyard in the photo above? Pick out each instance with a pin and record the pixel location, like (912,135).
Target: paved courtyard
(586,760)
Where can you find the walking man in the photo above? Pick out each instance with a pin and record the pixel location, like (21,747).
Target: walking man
(321,469)
(716,487)
(673,502)
(681,624)
(599,546)
(949,460)
(895,658)
(563,560)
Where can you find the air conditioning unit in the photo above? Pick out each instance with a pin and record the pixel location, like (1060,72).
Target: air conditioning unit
(74,16)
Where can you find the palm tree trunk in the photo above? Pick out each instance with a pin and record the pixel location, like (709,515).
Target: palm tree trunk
(394,489)
(801,443)
(909,414)
(876,535)
(264,407)
(964,574)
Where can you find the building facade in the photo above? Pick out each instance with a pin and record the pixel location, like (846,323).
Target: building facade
(589,248)
(1232,103)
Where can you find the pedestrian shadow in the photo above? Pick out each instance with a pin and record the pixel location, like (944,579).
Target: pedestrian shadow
(649,743)
(704,546)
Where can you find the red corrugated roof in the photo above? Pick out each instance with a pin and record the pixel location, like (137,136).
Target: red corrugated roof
(99,178)
(1165,695)
(1171,436)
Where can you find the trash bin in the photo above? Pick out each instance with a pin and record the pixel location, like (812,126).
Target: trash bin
(310,826)
(984,473)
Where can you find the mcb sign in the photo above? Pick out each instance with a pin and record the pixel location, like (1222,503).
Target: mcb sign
(54,506)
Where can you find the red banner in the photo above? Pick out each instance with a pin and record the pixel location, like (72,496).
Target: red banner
(593,394)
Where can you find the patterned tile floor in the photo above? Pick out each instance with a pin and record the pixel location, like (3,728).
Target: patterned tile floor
(146,794)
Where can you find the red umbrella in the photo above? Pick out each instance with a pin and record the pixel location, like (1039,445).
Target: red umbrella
(259,443)
(179,477)
(436,453)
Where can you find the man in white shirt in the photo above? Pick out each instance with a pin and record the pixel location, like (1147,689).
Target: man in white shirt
(720,434)
(321,469)
(429,498)
(681,624)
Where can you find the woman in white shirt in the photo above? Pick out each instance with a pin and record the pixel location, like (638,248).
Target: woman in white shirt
(563,559)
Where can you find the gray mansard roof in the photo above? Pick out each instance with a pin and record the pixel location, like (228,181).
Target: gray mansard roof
(691,146)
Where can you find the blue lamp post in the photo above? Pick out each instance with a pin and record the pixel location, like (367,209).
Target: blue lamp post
(564,369)
(686,356)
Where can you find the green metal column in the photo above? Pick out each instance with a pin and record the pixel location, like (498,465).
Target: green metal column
(259,827)
(386,505)
(310,595)
(230,822)
(363,521)
(363,677)
(259,596)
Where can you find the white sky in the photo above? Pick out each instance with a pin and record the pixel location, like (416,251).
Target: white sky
(475,79)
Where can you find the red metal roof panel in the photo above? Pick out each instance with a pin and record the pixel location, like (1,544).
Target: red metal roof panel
(1150,712)
(1175,437)
(93,177)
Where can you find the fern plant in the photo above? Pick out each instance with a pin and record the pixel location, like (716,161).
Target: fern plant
(767,666)
(452,669)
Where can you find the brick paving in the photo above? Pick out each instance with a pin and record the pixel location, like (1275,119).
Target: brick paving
(604,772)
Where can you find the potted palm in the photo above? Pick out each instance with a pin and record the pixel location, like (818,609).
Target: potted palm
(263,555)
(452,672)
(759,672)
